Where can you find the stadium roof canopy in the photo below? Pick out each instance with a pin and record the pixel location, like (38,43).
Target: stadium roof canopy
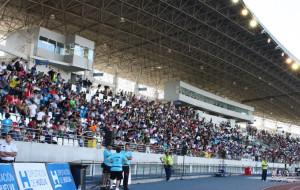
(206,43)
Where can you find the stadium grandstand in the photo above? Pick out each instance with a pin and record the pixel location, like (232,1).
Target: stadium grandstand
(203,80)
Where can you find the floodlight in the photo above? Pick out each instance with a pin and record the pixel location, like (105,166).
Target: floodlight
(235,1)
(122,20)
(245,12)
(269,40)
(51,16)
(282,54)
(295,66)
(289,60)
(253,23)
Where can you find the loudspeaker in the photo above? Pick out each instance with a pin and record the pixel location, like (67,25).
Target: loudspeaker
(184,150)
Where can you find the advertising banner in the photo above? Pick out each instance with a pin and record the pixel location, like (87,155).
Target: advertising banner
(60,176)
(32,176)
(42,62)
(7,177)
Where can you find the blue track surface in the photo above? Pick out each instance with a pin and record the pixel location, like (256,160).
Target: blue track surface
(211,183)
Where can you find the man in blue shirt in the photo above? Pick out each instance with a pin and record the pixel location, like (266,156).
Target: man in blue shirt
(117,160)
(6,125)
(128,155)
(106,166)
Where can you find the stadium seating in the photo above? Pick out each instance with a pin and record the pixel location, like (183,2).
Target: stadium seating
(81,117)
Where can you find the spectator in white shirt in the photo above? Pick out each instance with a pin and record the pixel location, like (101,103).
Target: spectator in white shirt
(40,114)
(8,150)
(2,67)
(32,110)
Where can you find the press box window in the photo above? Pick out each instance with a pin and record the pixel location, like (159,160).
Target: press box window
(43,42)
(60,48)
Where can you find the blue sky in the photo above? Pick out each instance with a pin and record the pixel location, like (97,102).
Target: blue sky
(282,19)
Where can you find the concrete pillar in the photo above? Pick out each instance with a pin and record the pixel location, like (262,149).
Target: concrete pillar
(85,74)
(136,89)
(116,83)
(156,95)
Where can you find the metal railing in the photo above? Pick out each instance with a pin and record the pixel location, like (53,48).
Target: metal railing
(155,170)
(94,140)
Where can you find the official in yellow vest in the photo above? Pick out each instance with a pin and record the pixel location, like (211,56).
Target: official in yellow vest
(264,166)
(168,163)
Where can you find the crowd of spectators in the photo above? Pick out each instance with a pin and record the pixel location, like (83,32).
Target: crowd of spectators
(50,107)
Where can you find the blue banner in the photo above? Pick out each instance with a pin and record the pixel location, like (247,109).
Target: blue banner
(42,62)
(60,176)
(177,102)
(7,177)
(98,74)
(142,89)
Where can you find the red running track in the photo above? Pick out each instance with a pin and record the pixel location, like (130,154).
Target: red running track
(289,186)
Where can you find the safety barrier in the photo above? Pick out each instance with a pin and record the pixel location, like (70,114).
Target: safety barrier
(284,176)
(36,176)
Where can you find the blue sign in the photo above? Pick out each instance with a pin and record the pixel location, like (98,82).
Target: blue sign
(7,177)
(142,89)
(177,102)
(42,62)
(98,74)
(60,176)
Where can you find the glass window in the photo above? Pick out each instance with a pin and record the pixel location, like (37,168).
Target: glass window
(60,48)
(43,42)
(69,49)
(77,50)
(81,51)
(51,45)
(86,52)
(91,54)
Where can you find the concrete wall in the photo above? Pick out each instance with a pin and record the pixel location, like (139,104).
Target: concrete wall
(213,96)
(216,109)
(37,152)
(170,91)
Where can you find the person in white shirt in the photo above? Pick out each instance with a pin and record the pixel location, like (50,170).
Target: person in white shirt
(8,150)
(32,110)
(2,67)
(40,114)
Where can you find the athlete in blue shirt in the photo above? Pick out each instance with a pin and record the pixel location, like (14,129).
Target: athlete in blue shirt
(126,167)
(117,160)
(6,124)
(106,166)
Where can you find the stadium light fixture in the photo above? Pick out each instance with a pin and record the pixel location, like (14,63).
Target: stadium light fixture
(122,20)
(51,16)
(235,1)
(295,66)
(253,23)
(269,40)
(282,54)
(245,12)
(289,60)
